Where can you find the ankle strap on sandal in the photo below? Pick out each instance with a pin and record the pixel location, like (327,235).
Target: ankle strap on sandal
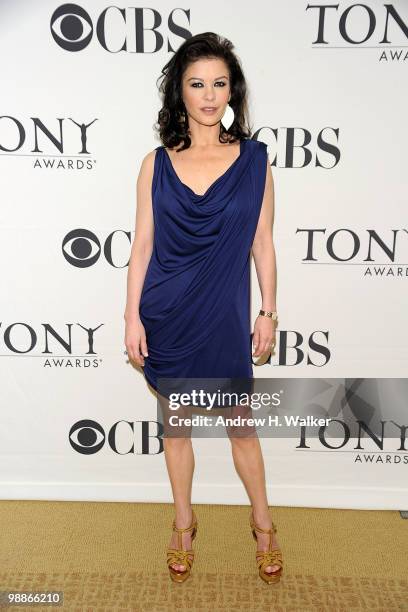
(273,528)
(262,530)
(184,529)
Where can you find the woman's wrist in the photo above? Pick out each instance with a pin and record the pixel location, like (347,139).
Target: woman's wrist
(272,315)
(269,307)
(269,312)
(131,317)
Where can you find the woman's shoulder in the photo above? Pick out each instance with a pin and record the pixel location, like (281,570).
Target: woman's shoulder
(259,149)
(149,157)
(147,165)
(259,144)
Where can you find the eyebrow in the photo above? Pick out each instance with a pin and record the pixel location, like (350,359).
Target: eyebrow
(198,78)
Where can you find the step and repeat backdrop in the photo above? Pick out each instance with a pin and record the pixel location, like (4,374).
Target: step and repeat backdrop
(327,94)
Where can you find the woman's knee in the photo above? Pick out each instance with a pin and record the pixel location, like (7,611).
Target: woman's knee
(176,443)
(243,439)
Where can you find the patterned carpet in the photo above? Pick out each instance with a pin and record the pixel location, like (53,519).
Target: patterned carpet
(111,556)
(145,592)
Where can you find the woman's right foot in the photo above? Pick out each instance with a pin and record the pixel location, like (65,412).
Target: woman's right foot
(263,544)
(182,522)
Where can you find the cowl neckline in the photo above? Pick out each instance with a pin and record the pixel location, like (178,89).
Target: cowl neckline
(190,192)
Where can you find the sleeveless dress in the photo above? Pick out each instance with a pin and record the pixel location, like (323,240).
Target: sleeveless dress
(195,300)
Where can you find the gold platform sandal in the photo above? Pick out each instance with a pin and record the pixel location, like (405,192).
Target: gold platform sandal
(272,556)
(179,555)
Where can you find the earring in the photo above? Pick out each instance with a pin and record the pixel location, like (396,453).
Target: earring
(228,117)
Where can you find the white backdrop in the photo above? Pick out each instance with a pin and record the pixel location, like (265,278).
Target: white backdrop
(67,222)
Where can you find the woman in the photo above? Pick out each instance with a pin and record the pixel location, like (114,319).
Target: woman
(205,199)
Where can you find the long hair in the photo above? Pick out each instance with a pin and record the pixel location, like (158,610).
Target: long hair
(172,123)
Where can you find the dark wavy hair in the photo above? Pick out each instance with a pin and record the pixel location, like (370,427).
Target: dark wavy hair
(172,123)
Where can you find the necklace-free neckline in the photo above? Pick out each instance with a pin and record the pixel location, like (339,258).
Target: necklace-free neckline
(216,181)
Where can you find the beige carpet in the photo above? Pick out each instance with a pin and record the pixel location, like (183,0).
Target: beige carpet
(111,556)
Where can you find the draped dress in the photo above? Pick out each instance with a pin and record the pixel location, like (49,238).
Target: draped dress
(195,300)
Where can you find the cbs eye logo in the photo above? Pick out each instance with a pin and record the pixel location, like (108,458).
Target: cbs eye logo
(71,27)
(86,437)
(82,248)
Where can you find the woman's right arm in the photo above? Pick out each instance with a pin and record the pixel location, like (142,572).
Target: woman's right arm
(141,251)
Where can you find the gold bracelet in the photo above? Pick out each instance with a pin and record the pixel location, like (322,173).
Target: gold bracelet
(272,314)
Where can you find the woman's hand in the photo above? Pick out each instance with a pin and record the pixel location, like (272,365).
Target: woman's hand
(135,341)
(264,335)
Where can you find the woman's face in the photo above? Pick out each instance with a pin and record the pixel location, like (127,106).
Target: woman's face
(206,85)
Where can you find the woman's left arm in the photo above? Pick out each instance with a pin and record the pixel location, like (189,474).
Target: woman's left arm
(263,251)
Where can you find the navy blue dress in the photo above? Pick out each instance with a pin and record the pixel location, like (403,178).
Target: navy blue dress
(195,301)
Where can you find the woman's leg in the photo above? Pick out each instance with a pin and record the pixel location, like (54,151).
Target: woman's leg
(179,457)
(248,461)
